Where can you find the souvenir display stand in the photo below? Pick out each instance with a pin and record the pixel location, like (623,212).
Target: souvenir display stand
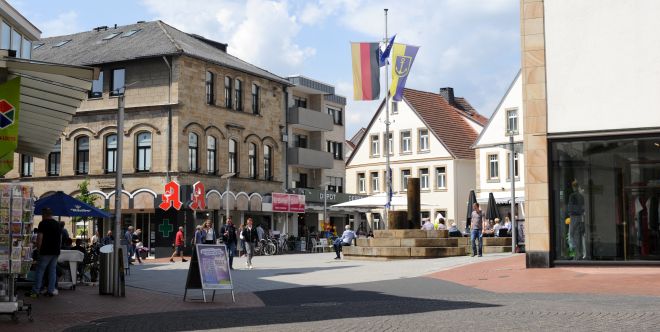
(16,225)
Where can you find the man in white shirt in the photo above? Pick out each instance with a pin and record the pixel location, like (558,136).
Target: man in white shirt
(260,232)
(346,239)
(428,226)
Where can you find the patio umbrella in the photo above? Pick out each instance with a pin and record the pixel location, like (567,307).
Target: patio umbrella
(376,201)
(64,205)
(472,198)
(492,212)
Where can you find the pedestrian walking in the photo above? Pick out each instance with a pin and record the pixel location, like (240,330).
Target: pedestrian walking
(48,245)
(228,232)
(241,242)
(250,236)
(134,242)
(128,238)
(210,235)
(477,226)
(198,237)
(179,243)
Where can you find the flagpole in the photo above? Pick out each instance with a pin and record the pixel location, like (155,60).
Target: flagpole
(388,171)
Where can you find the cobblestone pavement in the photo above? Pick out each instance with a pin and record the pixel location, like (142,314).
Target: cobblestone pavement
(313,292)
(421,304)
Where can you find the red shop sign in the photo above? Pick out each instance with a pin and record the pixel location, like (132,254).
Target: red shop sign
(198,199)
(297,203)
(280,202)
(171,197)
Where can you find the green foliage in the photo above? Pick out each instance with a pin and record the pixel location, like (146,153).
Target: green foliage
(85,197)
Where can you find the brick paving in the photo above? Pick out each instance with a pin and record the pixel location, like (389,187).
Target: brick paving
(314,292)
(84,304)
(509,275)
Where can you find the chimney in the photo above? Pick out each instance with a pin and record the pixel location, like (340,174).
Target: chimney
(448,94)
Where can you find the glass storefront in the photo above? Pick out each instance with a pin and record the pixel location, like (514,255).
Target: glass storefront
(604,198)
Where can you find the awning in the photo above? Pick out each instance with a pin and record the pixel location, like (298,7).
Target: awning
(50,95)
(501,200)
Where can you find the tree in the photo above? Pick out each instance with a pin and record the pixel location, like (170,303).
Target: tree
(85,197)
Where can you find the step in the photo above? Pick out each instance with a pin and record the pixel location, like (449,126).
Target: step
(377,251)
(420,242)
(496,249)
(488,249)
(429,242)
(497,241)
(488,241)
(409,233)
(437,251)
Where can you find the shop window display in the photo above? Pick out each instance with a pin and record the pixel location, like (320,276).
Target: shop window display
(604,199)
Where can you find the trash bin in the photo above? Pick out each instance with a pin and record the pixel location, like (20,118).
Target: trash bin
(106,268)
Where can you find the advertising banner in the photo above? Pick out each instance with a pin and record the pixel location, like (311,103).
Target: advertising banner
(9,108)
(214,266)
(280,202)
(297,203)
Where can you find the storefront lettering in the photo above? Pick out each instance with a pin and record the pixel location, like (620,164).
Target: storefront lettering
(171,197)
(198,201)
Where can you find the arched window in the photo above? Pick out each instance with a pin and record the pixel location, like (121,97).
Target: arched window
(54,159)
(143,150)
(233,161)
(252,160)
(255,99)
(82,155)
(111,153)
(211,154)
(192,152)
(239,95)
(268,162)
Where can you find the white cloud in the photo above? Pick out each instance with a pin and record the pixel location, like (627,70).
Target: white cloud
(64,24)
(471,45)
(260,32)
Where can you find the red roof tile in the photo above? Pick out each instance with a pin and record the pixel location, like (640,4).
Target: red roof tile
(447,122)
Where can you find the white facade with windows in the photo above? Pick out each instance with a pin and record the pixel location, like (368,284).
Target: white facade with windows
(416,151)
(493,174)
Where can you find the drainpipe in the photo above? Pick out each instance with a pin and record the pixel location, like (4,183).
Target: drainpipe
(169,120)
(286,144)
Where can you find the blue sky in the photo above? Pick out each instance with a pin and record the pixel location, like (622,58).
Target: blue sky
(470,45)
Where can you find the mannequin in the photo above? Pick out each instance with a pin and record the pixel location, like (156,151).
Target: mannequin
(576,227)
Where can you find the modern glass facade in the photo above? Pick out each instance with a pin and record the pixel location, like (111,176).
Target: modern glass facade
(604,196)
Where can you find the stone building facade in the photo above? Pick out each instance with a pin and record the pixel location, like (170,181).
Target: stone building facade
(179,123)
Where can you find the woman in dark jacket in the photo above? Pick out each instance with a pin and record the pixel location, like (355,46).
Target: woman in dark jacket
(251,237)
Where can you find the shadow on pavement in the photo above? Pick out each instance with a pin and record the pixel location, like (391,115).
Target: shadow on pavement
(295,305)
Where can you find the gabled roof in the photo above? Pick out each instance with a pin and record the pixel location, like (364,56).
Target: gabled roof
(154,39)
(358,136)
(447,122)
(471,113)
(497,109)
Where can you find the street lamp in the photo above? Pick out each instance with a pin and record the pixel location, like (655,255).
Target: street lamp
(228,177)
(512,173)
(118,186)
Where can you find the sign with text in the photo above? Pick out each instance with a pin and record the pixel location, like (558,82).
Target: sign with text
(297,203)
(288,203)
(214,266)
(280,202)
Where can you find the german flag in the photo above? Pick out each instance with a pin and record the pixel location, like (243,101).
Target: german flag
(366,73)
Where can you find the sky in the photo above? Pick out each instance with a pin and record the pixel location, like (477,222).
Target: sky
(470,45)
